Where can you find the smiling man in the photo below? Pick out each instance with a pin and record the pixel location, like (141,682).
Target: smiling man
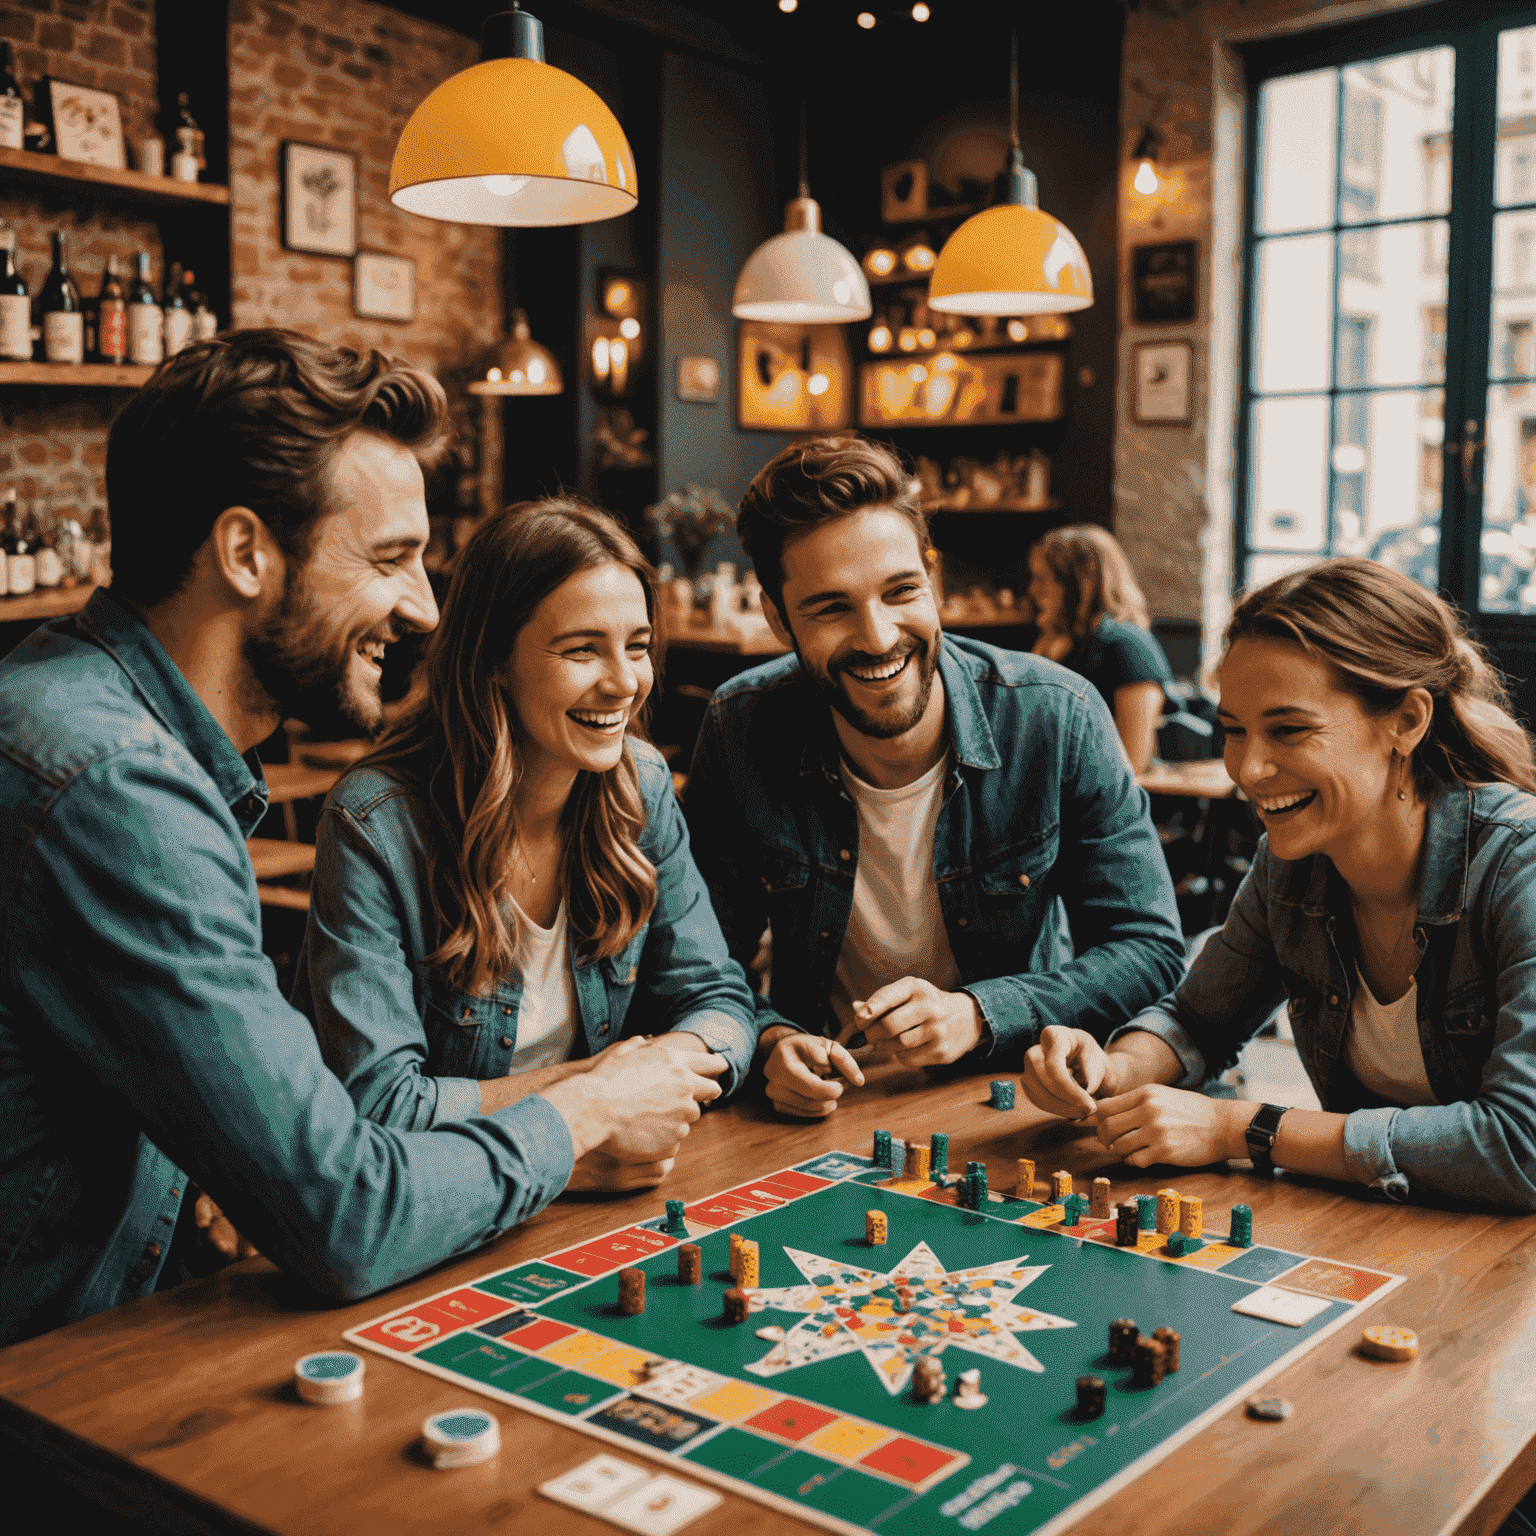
(943,837)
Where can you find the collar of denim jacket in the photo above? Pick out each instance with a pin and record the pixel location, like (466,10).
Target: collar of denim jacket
(970,732)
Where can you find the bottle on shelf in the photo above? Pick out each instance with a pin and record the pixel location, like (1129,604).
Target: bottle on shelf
(111,317)
(146,325)
(7,507)
(13,110)
(15,306)
(188,161)
(20,566)
(60,311)
(45,550)
(205,324)
(99,535)
(178,312)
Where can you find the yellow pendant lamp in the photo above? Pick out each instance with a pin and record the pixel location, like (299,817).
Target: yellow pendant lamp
(1012,259)
(514,141)
(521,366)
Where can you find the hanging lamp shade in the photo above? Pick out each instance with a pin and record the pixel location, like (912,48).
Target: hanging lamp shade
(513,141)
(802,277)
(521,366)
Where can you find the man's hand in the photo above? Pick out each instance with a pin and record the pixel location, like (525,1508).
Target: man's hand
(917,1024)
(599,1171)
(1064,1072)
(799,1075)
(215,1230)
(1158,1124)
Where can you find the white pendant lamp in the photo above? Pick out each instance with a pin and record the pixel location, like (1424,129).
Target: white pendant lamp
(513,141)
(1014,258)
(802,277)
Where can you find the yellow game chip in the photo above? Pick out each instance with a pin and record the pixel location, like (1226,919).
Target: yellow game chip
(1386,1342)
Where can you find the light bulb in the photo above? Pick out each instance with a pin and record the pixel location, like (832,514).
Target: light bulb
(917,373)
(493,375)
(907,340)
(818,384)
(504,186)
(919,258)
(600,357)
(788,6)
(926,338)
(535,372)
(880,339)
(920,12)
(616,297)
(880,261)
(629,328)
(1017,330)
(1146,179)
(866,19)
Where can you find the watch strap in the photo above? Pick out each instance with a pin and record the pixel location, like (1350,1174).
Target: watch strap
(1260,1135)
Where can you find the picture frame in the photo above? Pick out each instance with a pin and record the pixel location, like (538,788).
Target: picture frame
(87,124)
(793,378)
(904,191)
(1162,383)
(1164,282)
(384,287)
(319,199)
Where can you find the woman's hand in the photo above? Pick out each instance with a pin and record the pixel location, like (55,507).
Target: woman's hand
(799,1075)
(1158,1124)
(1064,1072)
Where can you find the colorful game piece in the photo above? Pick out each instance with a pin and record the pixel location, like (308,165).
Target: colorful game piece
(978,1177)
(632,1292)
(1126,1218)
(1025,1187)
(905,1300)
(1179,1245)
(1388,1342)
(898,1157)
(1002,1093)
(1099,1209)
(917,1161)
(690,1264)
(1075,1208)
(1170,1342)
(1122,1341)
(928,1380)
(1241,1233)
(875,1228)
(882,1149)
(1146,1213)
(1191,1221)
(461,1437)
(735,1306)
(746,1266)
(675,1227)
(1272,1409)
(1090,1397)
(1061,1186)
(968,1393)
(735,1241)
(938,1155)
(1167,1211)
(1148,1363)
(333,1376)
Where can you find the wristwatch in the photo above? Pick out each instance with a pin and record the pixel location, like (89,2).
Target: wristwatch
(1261,1133)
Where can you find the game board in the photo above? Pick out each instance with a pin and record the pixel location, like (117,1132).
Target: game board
(821,1421)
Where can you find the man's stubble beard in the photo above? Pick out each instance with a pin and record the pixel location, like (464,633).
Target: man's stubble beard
(876,727)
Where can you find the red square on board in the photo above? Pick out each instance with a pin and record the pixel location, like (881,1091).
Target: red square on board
(580,1262)
(407,1331)
(464,1307)
(801,1183)
(950,1196)
(790,1420)
(536,1335)
(760,1195)
(719,1213)
(910,1460)
(628,1247)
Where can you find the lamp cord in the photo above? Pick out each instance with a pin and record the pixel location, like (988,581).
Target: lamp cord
(805,180)
(1013,91)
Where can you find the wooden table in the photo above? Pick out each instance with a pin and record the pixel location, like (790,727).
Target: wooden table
(179,1407)
(1202,779)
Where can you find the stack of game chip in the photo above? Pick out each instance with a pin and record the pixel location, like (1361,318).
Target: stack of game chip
(1090,1397)
(976,1181)
(1169,1339)
(938,1155)
(1123,1334)
(462,1437)
(1126,1218)
(690,1264)
(1002,1093)
(1146,1213)
(1099,1209)
(334,1376)
(1191,1218)
(896,1157)
(917,1161)
(746,1265)
(632,1292)
(1240,1234)
(1061,1185)
(736,1306)
(1148,1362)
(735,1241)
(1167,1211)
(928,1380)
(875,1228)
(1025,1187)
(882,1149)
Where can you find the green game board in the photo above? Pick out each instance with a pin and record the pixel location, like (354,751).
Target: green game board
(822,1422)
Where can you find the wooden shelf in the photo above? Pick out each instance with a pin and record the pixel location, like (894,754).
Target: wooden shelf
(87,375)
(1007,504)
(45,603)
(133,185)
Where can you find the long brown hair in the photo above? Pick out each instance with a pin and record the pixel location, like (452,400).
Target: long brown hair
(456,743)
(1383,634)
(1095,577)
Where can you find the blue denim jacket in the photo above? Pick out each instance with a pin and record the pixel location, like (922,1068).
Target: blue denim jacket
(1291,936)
(1055,895)
(142,1032)
(411,1049)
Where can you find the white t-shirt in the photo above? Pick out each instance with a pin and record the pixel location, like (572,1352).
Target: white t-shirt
(546,1016)
(1384,1050)
(896,928)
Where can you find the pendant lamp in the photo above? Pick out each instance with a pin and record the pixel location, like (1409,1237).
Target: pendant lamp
(801,277)
(1012,259)
(513,140)
(521,366)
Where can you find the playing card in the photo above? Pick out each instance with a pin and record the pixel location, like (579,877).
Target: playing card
(661,1506)
(1288,1307)
(594,1482)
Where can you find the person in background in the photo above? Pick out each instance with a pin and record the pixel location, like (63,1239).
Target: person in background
(1391,903)
(508,872)
(1093,619)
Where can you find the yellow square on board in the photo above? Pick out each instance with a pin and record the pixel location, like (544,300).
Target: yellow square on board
(622,1365)
(1151,1242)
(1047,1216)
(735,1400)
(908,1186)
(1212,1256)
(577,1350)
(847,1439)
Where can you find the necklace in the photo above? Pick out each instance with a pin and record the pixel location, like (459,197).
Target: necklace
(1367,937)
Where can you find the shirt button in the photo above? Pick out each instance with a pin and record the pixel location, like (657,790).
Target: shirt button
(466,1015)
(826,933)
(1333,999)
(602,1029)
(506,1008)
(843,854)
(175,1194)
(152,1251)
(960,922)
(1024,881)
(506,1041)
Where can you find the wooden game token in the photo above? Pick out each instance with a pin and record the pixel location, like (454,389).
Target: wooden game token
(1170,1342)
(1148,1362)
(1271,1409)
(968,1393)
(875,1228)
(632,1292)
(1061,1186)
(1025,1187)
(736,1306)
(1191,1218)
(690,1264)
(928,1380)
(918,1162)
(1122,1341)
(1388,1342)
(1090,1397)
(333,1376)
(735,1254)
(1099,1206)
(746,1265)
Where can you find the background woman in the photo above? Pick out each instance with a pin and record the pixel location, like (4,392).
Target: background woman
(504,883)
(1392,901)
(1093,618)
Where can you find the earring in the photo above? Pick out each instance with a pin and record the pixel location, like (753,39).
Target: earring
(1401,793)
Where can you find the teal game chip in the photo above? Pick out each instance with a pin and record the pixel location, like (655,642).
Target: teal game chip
(334,1376)
(461,1437)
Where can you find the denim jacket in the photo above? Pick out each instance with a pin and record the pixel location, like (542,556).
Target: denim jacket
(143,1037)
(1291,936)
(1055,895)
(411,1049)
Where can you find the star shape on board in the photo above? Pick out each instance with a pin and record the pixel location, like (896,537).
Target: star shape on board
(849,1309)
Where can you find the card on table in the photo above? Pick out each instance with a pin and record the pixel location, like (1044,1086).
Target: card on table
(594,1483)
(1288,1307)
(629,1496)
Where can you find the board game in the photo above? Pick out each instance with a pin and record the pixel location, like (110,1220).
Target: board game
(808,1406)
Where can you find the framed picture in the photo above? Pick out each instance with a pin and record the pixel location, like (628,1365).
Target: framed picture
(383,287)
(319,199)
(793,378)
(87,124)
(698,378)
(904,191)
(1163,375)
(1163,282)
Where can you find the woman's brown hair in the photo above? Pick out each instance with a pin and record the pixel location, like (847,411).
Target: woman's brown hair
(456,743)
(1383,634)
(1095,577)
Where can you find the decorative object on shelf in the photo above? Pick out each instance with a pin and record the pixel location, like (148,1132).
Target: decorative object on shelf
(1018,484)
(615,336)
(513,141)
(520,366)
(1163,282)
(1145,154)
(1162,374)
(691,518)
(319,199)
(383,286)
(13,110)
(698,379)
(1014,258)
(87,124)
(793,378)
(151,155)
(977,606)
(904,191)
(801,277)
(952,390)
(189,162)
(621,444)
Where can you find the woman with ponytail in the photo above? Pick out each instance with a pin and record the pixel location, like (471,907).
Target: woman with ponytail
(1391,905)
(504,883)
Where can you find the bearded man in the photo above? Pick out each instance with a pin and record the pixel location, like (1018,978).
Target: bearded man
(944,838)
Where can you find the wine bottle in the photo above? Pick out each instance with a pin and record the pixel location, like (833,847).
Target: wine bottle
(111,317)
(20,567)
(62,315)
(13,110)
(15,307)
(205,324)
(178,316)
(7,510)
(45,550)
(146,327)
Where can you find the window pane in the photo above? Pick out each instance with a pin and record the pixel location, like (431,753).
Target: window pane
(1296,151)
(1290,474)
(1290,344)
(1514,178)
(1386,479)
(1395,154)
(1510,351)
(1391,313)
(1267,568)
(1509,500)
